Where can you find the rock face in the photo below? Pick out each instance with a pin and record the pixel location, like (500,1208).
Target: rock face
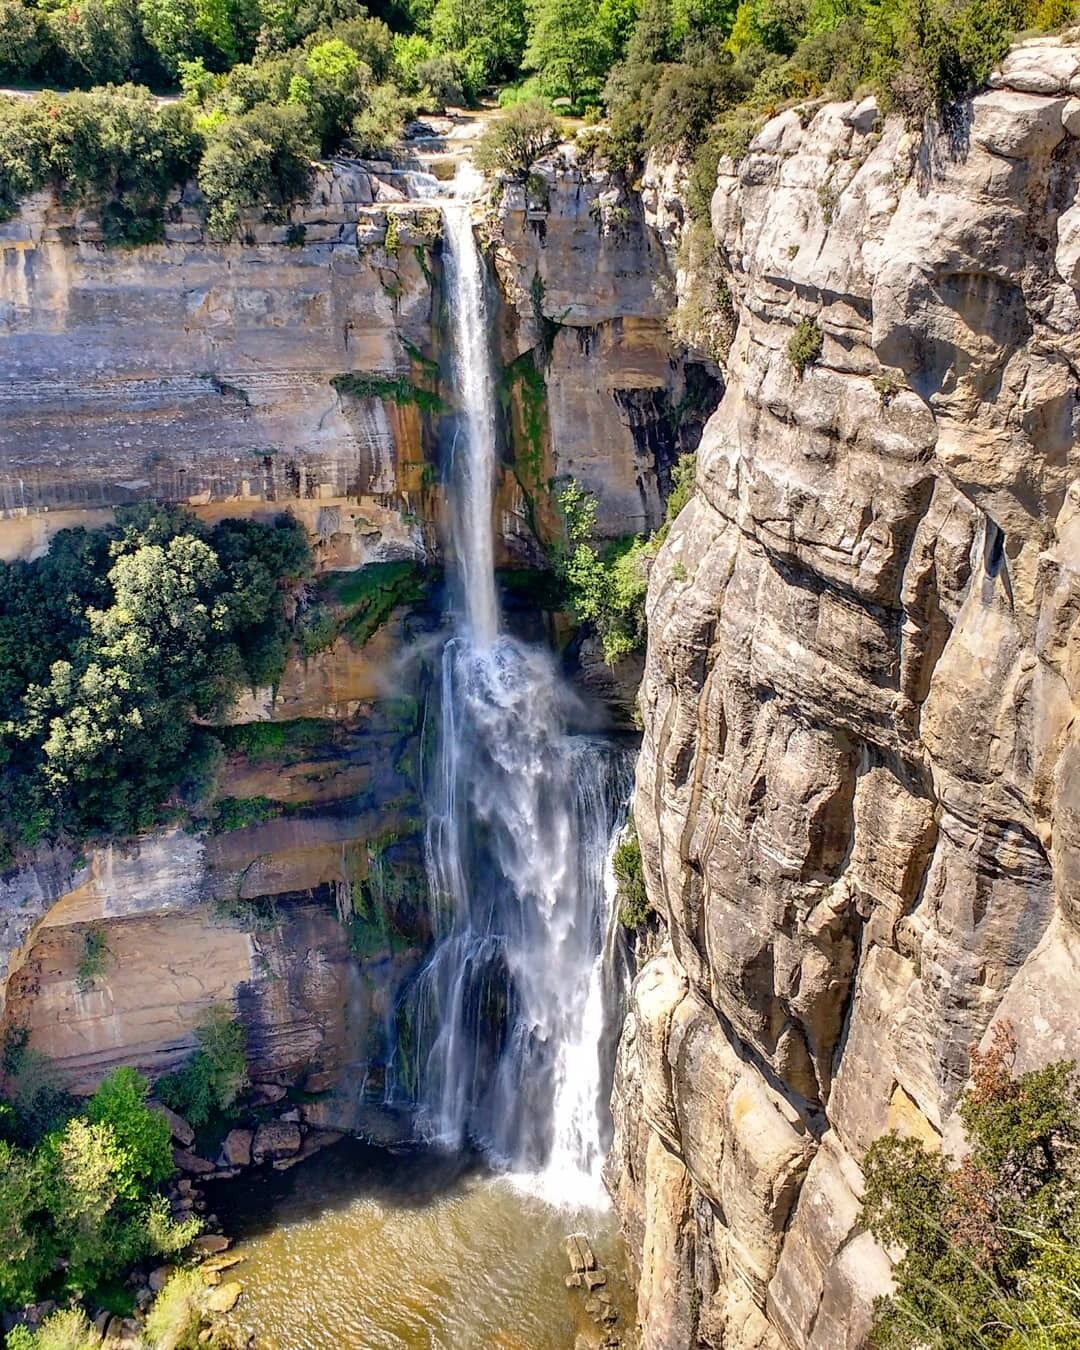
(857,797)
(295,371)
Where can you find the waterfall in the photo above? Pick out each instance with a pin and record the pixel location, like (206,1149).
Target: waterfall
(508,1015)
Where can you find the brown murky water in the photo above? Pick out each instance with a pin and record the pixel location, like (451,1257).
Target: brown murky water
(359,1249)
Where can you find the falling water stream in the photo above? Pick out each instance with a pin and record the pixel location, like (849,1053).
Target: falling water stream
(509,1015)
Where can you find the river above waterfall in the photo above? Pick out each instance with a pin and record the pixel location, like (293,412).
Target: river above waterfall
(361,1249)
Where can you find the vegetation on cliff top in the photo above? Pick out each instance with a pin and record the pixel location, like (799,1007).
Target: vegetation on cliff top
(990,1246)
(269,84)
(115,647)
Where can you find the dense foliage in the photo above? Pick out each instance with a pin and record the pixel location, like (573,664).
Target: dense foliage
(270,84)
(114,647)
(208,1085)
(990,1255)
(699,79)
(79,1194)
(605,585)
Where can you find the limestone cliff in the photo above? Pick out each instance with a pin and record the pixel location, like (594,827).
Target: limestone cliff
(301,369)
(858,793)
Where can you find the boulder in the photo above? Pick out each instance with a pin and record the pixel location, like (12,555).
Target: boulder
(191,1162)
(236,1148)
(266,1094)
(180,1129)
(210,1244)
(159,1277)
(276,1139)
(579,1253)
(224,1298)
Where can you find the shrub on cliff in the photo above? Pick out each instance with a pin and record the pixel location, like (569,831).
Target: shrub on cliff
(115,646)
(604,586)
(989,1245)
(115,146)
(804,345)
(635,911)
(261,159)
(208,1085)
(519,137)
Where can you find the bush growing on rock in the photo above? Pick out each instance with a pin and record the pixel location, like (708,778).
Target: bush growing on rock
(522,135)
(65,1329)
(990,1255)
(804,345)
(635,911)
(210,1082)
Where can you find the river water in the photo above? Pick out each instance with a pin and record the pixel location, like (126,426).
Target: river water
(360,1249)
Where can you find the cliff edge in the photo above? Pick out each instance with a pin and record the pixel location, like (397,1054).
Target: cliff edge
(859,794)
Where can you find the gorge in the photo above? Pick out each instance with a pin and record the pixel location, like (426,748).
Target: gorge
(856,794)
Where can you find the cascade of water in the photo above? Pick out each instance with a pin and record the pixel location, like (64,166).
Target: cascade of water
(508,1013)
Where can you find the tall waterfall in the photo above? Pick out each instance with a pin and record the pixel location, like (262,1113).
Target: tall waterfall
(508,1015)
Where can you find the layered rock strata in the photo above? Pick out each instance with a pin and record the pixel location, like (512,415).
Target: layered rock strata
(302,369)
(857,797)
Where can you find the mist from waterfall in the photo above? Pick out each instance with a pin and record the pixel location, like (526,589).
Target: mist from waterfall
(509,1015)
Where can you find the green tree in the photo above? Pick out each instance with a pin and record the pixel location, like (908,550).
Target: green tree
(985,1241)
(513,142)
(488,38)
(25,1254)
(169,27)
(23,41)
(568,47)
(142,1134)
(261,159)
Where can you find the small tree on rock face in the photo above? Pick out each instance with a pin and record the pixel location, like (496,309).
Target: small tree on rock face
(989,1247)
(514,143)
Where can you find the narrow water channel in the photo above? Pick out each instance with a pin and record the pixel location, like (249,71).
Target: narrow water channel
(360,1249)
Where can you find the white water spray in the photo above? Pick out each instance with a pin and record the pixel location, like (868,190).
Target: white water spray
(509,1015)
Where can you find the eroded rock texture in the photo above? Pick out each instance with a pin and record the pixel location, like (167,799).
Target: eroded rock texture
(858,794)
(193,372)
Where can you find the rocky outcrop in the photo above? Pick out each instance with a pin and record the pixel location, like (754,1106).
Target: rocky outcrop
(587,287)
(857,797)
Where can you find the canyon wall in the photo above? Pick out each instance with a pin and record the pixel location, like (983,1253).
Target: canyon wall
(859,793)
(304,369)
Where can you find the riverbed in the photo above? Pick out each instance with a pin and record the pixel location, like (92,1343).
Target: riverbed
(364,1249)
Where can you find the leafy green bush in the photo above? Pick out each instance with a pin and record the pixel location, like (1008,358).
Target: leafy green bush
(65,1329)
(261,159)
(210,1082)
(804,345)
(114,145)
(635,911)
(518,138)
(80,1206)
(94,958)
(990,1244)
(603,587)
(174,1320)
(113,644)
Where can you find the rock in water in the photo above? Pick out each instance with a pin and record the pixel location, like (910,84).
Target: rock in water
(224,1298)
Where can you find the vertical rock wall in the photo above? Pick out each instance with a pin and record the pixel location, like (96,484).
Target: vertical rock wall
(858,793)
